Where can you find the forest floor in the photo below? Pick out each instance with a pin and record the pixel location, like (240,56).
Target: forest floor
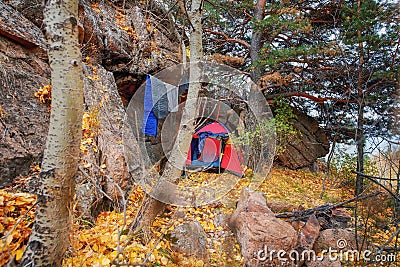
(107,242)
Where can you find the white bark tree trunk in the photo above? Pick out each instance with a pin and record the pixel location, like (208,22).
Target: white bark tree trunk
(151,206)
(50,234)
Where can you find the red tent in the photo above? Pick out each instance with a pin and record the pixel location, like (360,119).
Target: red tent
(211,148)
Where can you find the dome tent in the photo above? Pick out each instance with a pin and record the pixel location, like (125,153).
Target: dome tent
(211,148)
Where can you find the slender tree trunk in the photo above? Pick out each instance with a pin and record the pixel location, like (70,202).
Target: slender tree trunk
(151,206)
(360,139)
(360,143)
(50,234)
(256,41)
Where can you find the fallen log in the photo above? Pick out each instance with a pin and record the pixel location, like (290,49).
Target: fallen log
(301,214)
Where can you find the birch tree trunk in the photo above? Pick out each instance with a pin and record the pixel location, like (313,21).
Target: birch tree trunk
(50,234)
(151,206)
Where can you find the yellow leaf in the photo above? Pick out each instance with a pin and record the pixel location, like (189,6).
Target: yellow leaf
(188,52)
(9,239)
(19,253)
(105,261)
(164,260)
(211,226)
(199,263)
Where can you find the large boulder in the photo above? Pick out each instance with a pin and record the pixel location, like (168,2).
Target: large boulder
(310,144)
(338,239)
(259,232)
(103,177)
(190,239)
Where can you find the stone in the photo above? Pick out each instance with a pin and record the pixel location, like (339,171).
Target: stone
(190,239)
(259,232)
(339,239)
(221,219)
(278,207)
(104,169)
(340,218)
(307,236)
(304,150)
(23,119)
(18,28)
(325,262)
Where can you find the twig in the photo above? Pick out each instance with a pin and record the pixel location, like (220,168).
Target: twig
(94,183)
(390,239)
(383,248)
(119,250)
(328,171)
(308,212)
(18,222)
(374,180)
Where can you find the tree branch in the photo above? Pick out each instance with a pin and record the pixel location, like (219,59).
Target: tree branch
(308,212)
(374,180)
(227,38)
(305,95)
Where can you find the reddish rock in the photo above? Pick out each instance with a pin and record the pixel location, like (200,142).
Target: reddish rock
(259,232)
(337,239)
(16,27)
(325,262)
(103,178)
(340,218)
(308,234)
(23,119)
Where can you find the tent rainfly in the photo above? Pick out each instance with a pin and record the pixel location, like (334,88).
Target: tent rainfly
(211,148)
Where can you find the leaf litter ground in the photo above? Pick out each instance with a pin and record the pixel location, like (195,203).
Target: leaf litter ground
(109,243)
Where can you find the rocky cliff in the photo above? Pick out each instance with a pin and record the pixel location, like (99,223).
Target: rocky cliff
(121,42)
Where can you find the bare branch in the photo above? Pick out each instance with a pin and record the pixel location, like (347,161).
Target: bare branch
(227,38)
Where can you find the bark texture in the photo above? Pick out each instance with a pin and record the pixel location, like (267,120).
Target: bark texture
(49,239)
(256,41)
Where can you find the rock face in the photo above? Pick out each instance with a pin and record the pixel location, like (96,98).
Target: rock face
(308,147)
(23,70)
(126,42)
(259,232)
(103,178)
(190,239)
(119,44)
(112,38)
